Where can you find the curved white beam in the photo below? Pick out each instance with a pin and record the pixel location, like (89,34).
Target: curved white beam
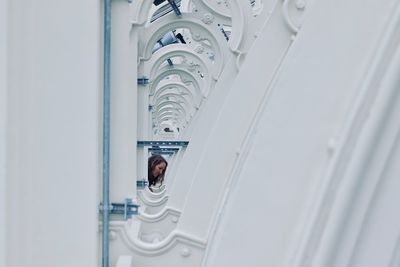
(152,66)
(185,76)
(164,97)
(165,105)
(175,87)
(200,30)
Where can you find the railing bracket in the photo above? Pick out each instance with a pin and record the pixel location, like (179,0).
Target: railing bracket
(126,209)
(141,184)
(143,81)
(162,143)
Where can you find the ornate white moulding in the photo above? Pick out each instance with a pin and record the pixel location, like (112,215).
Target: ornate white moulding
(199,31)
(180,243)
(166,212)
(152,202)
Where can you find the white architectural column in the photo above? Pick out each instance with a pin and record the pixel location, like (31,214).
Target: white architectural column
(143,112)
(123,105)
(3,123)
(52,132)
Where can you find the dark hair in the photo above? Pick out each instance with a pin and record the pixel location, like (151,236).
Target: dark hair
(152,163)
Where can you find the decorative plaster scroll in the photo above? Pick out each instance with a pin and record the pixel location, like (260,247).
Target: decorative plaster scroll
(257,7)
(169,22)
(244,19)
(241,15)
(199,43)
(220,8)
(157,227)
(123,231)
(292,10)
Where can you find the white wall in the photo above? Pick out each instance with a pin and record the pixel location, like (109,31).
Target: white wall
(287,156)
(123,104)
(50,133)
(3,116)
(53,132)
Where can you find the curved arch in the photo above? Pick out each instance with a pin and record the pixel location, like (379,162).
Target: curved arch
(171,85)
(293,27)
(150,203)
(165,212)
(181,88)
(170,114)
(164,116)
(156,202)
(224,15)
(152,66)
(162,111)
(171,111)
(142,12)
(189,106)
(174,85)
(176,105)
(166,104)
(167,114)
(170,22)
(183,73)
(240,11)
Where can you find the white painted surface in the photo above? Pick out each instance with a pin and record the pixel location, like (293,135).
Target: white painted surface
(124,261)
(221,151)
(53,133)
(261,150)
(357,212)
(3,123)
(123,105)
(288,152)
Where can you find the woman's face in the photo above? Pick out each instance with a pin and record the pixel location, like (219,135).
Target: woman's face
(158,169)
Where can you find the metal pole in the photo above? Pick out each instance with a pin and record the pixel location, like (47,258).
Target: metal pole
(106,131)
(175,7)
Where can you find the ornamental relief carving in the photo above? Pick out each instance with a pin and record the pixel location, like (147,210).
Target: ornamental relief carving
(217,7)
(208,18)
(293,13)
(210,33)
(207,36)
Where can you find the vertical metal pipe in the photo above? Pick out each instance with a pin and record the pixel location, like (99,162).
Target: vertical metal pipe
(106,131)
